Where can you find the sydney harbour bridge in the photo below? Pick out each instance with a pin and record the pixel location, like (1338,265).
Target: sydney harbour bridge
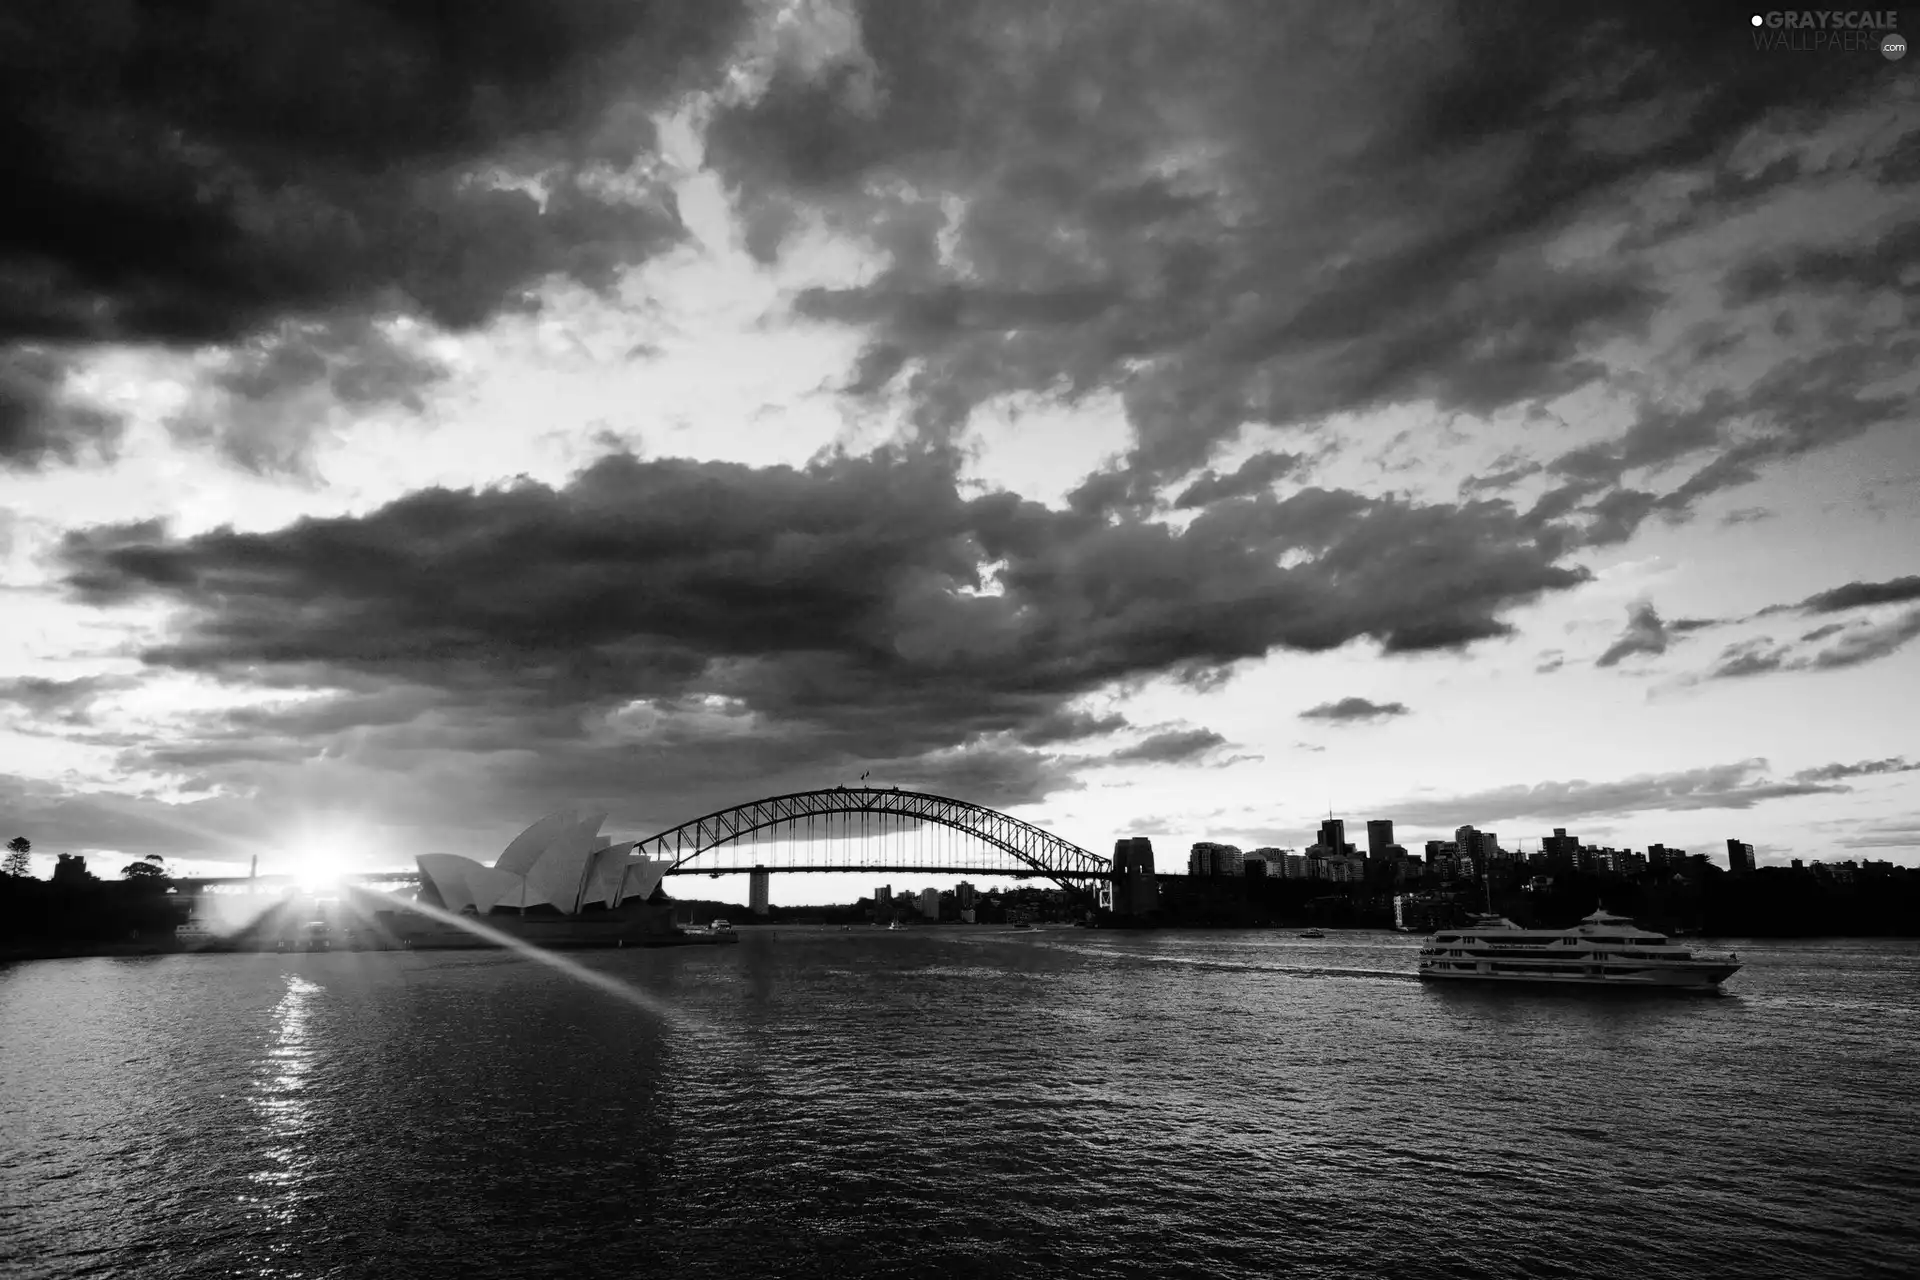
(850,829)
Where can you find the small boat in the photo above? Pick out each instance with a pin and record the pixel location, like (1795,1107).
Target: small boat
(1312,933)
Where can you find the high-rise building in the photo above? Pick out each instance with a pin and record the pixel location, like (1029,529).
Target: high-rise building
(1467,841)
(1209,858)
(883,904)
(1560,845)
(1739,856)
(759,900)
(928,901)
(1661,858)
(1333,834)
(1379,837)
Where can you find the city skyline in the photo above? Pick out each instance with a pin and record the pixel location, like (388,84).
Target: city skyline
(1147,421)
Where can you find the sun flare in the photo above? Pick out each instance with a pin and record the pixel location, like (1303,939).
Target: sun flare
(317,865)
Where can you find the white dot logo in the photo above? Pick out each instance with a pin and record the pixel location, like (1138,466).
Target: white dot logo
(1894,48)
(1758,20)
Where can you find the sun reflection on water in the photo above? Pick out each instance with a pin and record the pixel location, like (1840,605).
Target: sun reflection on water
(280,1097)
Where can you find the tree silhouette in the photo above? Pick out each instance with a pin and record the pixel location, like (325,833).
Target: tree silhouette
(16,863)
(142,871)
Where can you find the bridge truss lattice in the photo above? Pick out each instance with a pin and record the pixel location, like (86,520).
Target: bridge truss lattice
(872,829)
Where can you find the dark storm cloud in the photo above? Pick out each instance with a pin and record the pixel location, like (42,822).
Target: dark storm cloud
(662,571)
(1749,658)
(1070,726)
(1901,165)
(1860,595)
(1173,746)
(1354,710)
(39,421)
(63,700)
(1645,633)
(59,820)
(1854,644)
(1798,406)
(1255,475)
(201,174)
(702,623)
(1233,212)
(1864,769)
(1728,786)
(1884,262)
(257,406)
(1887,837)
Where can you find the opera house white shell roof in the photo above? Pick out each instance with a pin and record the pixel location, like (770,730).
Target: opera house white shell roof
(561,861)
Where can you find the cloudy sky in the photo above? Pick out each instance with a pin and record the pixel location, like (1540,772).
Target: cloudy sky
(1148,418)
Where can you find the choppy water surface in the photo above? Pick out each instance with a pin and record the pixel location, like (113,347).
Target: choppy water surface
(954,1102)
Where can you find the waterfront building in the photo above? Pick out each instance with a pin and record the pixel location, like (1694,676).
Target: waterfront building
(560,864)
(1209,858)
(883,904)
(1739,857)
(1661,858)
(1339,868)
(928,902)
(1379,837)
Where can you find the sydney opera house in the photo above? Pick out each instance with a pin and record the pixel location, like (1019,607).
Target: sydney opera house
(558,883)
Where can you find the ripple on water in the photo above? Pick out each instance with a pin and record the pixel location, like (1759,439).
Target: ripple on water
(953,1103)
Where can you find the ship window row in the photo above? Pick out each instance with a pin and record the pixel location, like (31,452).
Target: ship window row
(1551,940)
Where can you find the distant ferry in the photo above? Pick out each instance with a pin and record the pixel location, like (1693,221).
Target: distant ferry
(1603,950)
(1313,933)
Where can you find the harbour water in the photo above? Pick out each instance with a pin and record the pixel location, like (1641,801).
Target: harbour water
(955,1102)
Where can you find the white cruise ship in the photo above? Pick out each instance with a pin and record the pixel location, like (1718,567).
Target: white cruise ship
(1602,950)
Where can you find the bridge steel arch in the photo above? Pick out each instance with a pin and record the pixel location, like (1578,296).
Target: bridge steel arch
(1066,864)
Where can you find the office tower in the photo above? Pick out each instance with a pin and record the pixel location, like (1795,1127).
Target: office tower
(1739,856)
(1210,858)
(1333,834)
(1379,837)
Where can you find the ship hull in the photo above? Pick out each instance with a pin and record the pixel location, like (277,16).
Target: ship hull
(1705,978)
